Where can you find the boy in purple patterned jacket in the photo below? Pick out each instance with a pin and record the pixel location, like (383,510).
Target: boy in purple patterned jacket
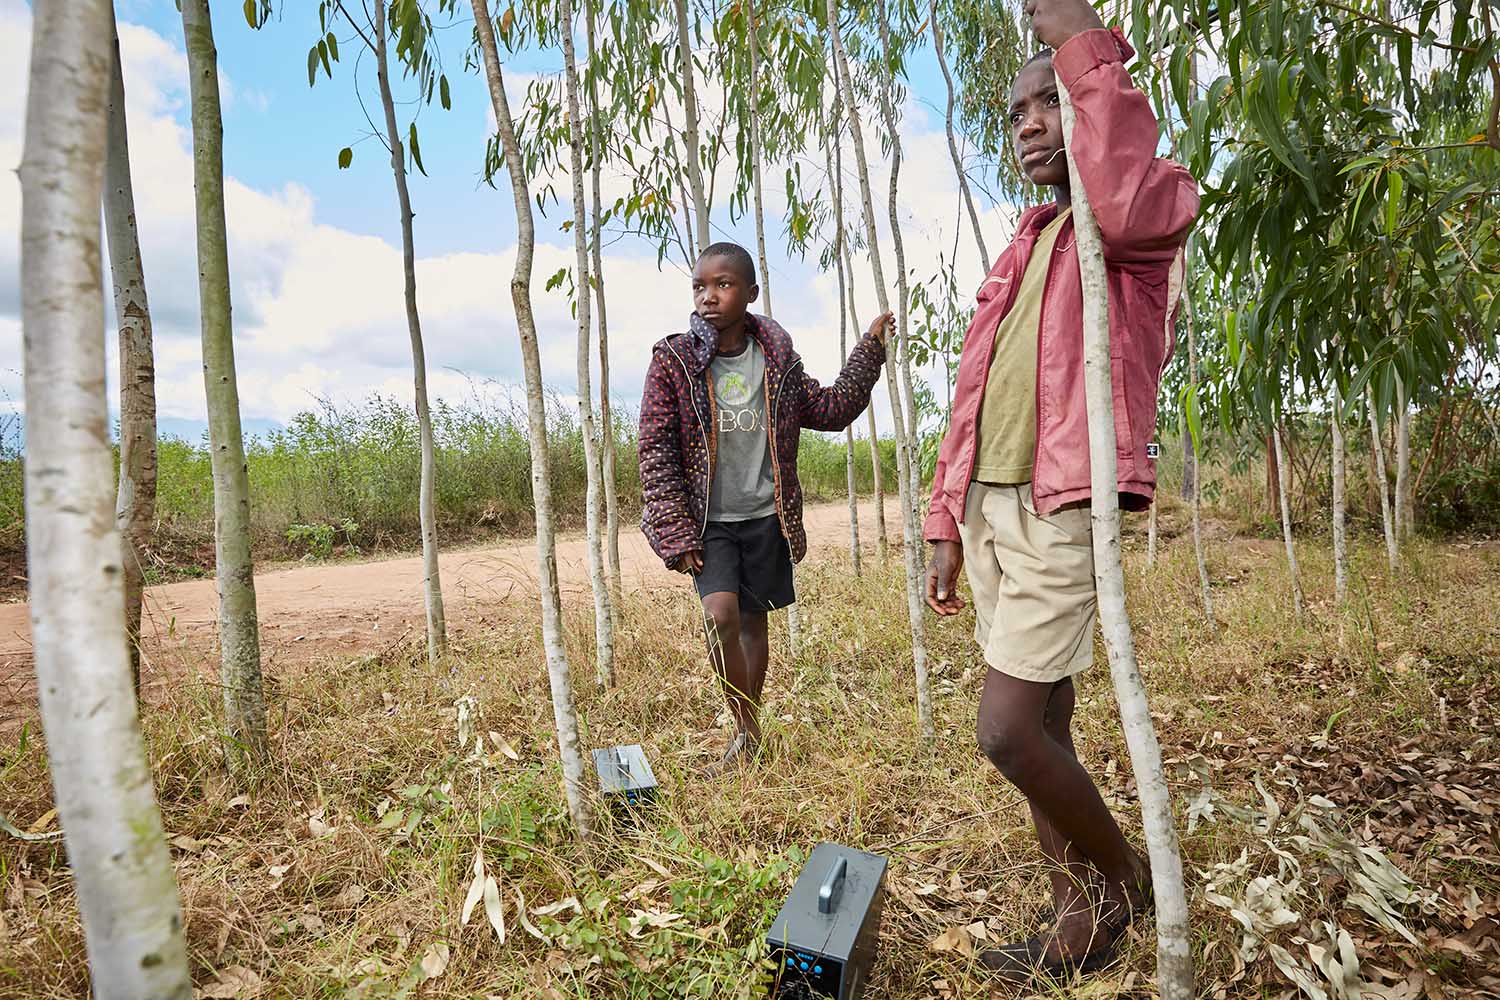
(722,410)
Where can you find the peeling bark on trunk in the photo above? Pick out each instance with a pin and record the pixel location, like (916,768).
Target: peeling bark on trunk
(1340,546)
(122,872)
(985,259)
(564,715)
(1174,961)
(1283,495)
(239,636)
(604,638)
(606,417)
(912,544)
(432,587)
(135,505)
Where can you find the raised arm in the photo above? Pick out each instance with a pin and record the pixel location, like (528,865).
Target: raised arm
(834,407)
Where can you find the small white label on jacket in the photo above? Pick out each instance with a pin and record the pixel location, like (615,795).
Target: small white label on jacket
(1153,450)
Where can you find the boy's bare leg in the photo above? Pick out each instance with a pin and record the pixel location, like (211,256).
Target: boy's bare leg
(1073,821)
(727,645)
(1070,872)
(755,644)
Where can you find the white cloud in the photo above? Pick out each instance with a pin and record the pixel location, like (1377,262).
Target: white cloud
(319,311)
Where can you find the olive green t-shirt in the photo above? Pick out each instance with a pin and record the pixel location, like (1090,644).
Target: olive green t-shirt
(1007,413)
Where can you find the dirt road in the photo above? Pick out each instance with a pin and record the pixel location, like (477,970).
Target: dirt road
(314,611)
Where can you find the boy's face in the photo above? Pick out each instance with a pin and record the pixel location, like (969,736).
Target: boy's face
(1036,125)
(721,293)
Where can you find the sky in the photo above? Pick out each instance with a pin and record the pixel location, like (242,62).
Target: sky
(315,251)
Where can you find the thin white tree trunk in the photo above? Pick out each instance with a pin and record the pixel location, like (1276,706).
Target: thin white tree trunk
(690,128)
(1174,961)
(565,717)
(606,417)
(903,291)
(836,194)
(1283,496)
(794,621)
(877,476)
(912,543)
(135,503)
(432,587)
(985,260)
(1196,499)
(1405,516)
(604,637)
(122,873)
(1377,454)
(1340,545)
(1151,537)
(239,637)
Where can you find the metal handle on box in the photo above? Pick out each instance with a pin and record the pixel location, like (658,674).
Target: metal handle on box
(833,886)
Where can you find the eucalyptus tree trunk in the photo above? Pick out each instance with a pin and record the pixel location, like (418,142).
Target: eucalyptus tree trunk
(1340,546)
(1404,515)
(753,30)
(836,194)
(690,127)
(877,475)
(1174,961)
(604,636)
(239,638)
(912,542)
(793,611)
(1377,455)
(122,873)
(564,715)
(1200,553)
(432,588)
(606,417)
(1283,496)
(135,503)
(985,260)
(903,292)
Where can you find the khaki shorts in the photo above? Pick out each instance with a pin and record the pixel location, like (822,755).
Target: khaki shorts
(1033,583)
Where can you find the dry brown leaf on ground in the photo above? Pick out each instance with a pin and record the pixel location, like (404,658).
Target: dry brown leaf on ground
(233,983)
(435,959)
(954,939)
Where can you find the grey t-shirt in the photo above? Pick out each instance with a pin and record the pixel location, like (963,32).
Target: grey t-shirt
(743,488)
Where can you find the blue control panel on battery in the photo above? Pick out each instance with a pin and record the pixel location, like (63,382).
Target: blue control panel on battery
(823,941)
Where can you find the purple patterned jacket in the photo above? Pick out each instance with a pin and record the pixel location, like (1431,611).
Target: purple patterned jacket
(678,446)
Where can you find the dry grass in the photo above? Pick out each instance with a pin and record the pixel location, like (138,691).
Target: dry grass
(300,885)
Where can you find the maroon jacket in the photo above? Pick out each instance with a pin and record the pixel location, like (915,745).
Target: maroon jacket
(678,447)
(1144,206)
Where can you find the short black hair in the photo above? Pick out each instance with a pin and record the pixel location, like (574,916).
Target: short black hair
(1043,53)
(738,255)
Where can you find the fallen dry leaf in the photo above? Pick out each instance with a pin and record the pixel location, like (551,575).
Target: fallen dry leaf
(435,960)
(234,983)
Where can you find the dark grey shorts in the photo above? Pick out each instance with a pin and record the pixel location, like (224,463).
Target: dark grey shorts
(748,558)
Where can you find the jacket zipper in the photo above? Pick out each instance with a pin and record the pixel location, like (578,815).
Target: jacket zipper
(707,454)
(775,458)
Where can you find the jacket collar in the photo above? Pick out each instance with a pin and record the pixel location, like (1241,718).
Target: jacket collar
(701,341)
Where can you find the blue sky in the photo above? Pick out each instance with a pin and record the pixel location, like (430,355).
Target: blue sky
(315,251)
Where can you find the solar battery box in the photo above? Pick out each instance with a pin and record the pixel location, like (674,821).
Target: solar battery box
(823,941)
(625,779)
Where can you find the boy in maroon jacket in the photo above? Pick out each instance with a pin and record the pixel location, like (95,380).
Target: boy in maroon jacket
(1010,496)
(721,414)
